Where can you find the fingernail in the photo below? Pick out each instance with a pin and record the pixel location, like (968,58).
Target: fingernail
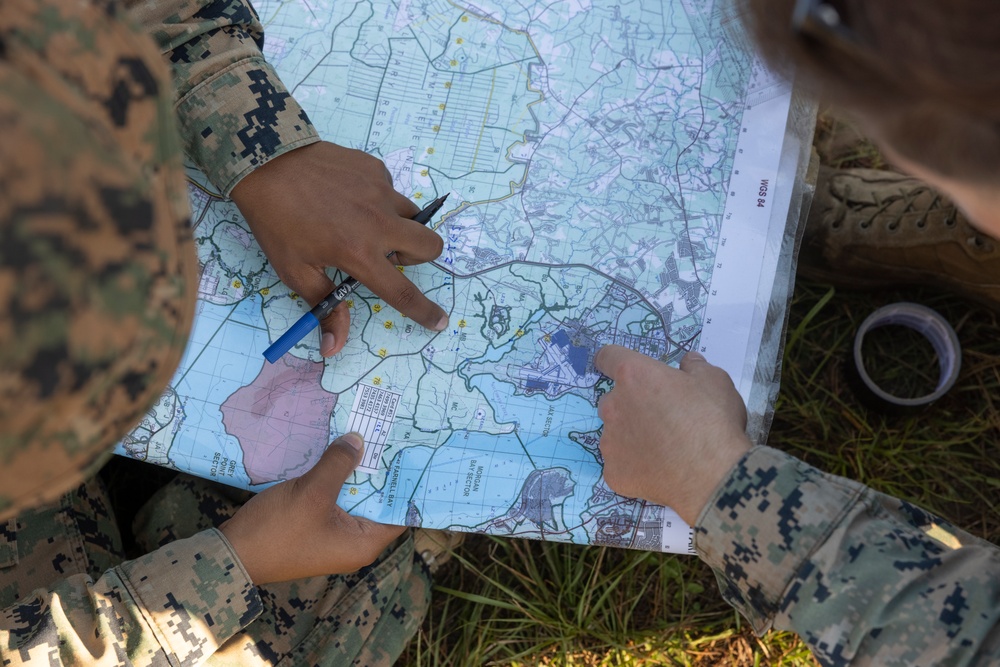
(354,439)
(442,324)
(326,344)
(695,356)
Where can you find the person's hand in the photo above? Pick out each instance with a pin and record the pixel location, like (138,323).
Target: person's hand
(296,529)
(670,436)
(325,205)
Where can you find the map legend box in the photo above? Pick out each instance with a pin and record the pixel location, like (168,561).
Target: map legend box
(371,415)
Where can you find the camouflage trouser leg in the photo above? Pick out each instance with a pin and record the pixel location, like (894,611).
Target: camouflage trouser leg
(365,618)
(75,535)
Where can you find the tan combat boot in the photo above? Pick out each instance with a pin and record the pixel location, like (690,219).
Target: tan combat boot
(436,547)
(871,229)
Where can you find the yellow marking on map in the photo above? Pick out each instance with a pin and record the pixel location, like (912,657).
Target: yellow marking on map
(447,84)
(265,291)
(354,491)
(436,128)
(465,19)
(382,352)
(418,195)
(377,307)
(387,324)
(237,284)
(461,324)
(520,332)
(442,106)
(430,151)
(350,303)
(401,269)
(547,338)
(423,172)
(294,296)
(377,381)
(453,63)
(459,40)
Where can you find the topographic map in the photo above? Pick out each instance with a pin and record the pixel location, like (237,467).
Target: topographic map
(593,156)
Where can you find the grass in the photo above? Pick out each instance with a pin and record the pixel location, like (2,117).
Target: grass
(513,602)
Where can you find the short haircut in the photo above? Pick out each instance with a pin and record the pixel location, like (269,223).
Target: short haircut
(922,76)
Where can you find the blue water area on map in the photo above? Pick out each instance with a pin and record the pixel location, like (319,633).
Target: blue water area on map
(474,477)
(475,470)
(542,423)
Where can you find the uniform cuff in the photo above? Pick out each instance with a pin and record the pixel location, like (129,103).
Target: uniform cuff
(239,119)
(762,525)
(193,593)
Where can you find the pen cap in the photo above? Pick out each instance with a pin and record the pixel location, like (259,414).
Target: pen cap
(304,325)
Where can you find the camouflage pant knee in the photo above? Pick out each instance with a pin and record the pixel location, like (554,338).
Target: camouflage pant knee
(365,618)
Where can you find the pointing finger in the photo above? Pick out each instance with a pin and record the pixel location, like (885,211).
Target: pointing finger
(397,290)
(610,359)
(416,243)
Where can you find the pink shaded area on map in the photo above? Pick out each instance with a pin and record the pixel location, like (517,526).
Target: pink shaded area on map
(281,419)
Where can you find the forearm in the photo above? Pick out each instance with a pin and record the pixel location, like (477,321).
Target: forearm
(176,606)
(863,578)
(234,112)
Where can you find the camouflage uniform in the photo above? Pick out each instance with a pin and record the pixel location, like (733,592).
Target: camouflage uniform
(863,578)
(98,278)
(91,186)
(71,598)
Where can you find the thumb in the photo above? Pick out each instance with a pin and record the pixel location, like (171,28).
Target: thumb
(337,463)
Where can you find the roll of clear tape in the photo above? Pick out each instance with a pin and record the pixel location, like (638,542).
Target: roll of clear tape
(930,324)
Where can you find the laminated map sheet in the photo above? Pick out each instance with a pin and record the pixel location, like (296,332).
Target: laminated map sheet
(618,173)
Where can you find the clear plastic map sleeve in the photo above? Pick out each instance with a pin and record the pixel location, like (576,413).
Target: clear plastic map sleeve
(624,174)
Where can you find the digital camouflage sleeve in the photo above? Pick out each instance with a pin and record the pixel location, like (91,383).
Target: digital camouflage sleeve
(863,578)
(233,110)
(173,606)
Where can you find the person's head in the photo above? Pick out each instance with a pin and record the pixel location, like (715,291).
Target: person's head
(921,77)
